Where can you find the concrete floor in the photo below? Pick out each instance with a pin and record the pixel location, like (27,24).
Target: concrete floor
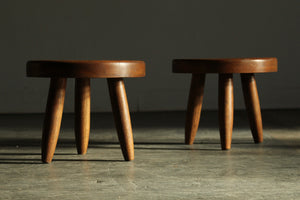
(164,168)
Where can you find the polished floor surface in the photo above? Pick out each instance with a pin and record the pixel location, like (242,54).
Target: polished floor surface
(164,167)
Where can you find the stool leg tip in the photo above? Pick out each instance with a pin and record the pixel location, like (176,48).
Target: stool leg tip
(129,158)
(258,141)
(80,152)
(226,148)
(46,161)
(189,142)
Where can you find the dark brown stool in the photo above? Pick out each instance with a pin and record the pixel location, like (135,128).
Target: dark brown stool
(225,68)
(82,71)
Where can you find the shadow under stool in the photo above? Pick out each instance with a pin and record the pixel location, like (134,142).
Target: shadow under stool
(82,71)
(246,67)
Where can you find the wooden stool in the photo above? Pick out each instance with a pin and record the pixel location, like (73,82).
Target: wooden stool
(59,71)
(225,68)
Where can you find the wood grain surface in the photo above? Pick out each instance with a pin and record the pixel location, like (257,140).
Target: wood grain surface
(226,65)
(194,107)
(82,113)
(53,115)
(253,106)
(86,69)
(226,109)
(122,116)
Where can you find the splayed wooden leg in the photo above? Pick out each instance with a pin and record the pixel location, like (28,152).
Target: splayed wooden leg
(52,122)
(226,109)
(122,116)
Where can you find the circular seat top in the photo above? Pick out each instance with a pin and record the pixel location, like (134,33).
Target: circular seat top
(225,65)
(86,69)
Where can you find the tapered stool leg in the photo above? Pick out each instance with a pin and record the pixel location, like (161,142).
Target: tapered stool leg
(226,109)
(54,111)
(252,105)
(82,113)
(122,116)
(194,107)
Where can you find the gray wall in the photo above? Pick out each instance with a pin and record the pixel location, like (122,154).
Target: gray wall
(153,31)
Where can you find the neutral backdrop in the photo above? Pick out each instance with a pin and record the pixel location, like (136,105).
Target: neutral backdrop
(153,31)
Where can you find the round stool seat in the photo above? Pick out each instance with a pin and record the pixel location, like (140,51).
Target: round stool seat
(225,65)
(86,69)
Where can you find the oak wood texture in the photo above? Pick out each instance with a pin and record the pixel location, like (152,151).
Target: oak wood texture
(82,113)
(226,109)
(122,116)
(252,105)
(194,107)
(86,69)
(53,115)
(226,65)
